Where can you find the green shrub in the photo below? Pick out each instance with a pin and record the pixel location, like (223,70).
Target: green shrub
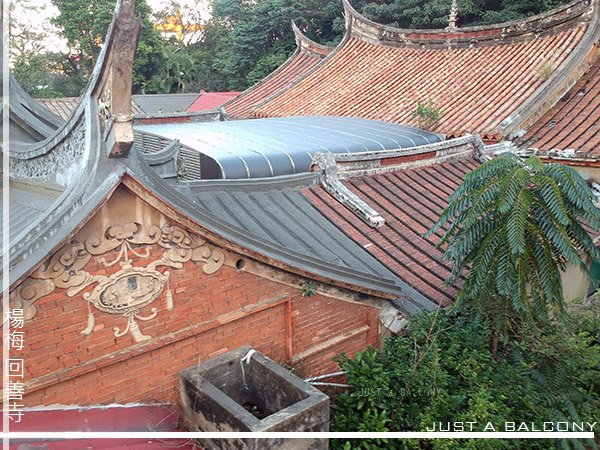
(428,114)
(444,371)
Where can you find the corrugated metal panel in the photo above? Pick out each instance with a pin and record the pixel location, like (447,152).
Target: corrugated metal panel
(284,146)
(150,143)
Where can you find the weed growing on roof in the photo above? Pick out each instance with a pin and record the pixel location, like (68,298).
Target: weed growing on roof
(428,113)
(545,70)
(308,289)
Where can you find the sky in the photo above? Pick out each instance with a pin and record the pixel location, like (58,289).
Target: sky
(47,10)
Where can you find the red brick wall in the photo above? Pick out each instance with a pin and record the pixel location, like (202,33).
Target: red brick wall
(211,314)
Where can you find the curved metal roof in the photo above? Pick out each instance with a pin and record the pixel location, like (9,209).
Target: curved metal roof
(282,146)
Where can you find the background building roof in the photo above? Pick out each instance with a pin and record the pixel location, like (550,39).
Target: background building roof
(165,103)
(211,100)
(148,104)
(477,76)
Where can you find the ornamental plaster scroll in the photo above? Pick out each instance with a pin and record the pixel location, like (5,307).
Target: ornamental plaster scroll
(105,106)
(127,291)
(60,159)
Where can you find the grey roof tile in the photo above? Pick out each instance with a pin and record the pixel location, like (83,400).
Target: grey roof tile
(277,211)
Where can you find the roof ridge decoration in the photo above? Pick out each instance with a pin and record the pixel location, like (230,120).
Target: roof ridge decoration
(453,16)
(106,104)
(307,45)
(73,157)
(335,166)
(332,184)
(360,27)
(114,95)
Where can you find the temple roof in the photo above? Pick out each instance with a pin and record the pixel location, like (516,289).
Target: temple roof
(79,166)
(362,233)
(573,123)
(307,55)
(477,76)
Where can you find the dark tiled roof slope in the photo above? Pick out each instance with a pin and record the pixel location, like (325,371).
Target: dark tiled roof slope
(165,103)
(574,122)
(64,106)
(476,88)
(410,201)
(277,212)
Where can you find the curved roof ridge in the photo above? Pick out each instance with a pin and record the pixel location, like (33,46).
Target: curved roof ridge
(307,45)
(34,118)
(24,152)
(97,98)
(527,28)
(303,60)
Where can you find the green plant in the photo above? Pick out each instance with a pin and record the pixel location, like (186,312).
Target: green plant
(444,371)
(516,224)
(308,289)
(427,113)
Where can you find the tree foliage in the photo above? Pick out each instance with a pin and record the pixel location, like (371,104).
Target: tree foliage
(443,371)
(247,40)
(435,13)
(85,25)
(516,224)
(261,37)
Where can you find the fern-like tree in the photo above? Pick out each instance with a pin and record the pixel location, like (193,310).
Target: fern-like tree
(514,225)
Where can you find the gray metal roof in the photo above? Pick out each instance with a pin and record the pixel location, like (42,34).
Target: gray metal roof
(274,210)
(283,146)
(164,103)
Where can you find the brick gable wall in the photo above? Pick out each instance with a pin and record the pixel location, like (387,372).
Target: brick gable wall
(211,314)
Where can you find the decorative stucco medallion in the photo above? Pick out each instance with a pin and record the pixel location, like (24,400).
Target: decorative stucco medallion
(127,292)
(131,289)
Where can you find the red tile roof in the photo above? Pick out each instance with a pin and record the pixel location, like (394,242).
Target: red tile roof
(410,201)
(478,76)
(307,55)
(211,100)
(574,122)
